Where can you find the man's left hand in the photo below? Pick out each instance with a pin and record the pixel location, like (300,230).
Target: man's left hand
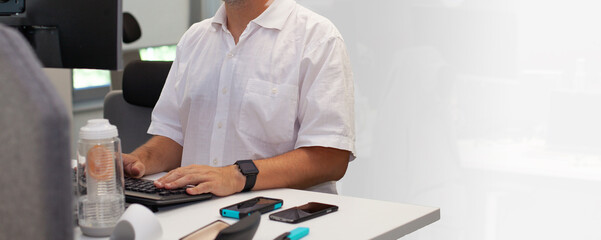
(221,181)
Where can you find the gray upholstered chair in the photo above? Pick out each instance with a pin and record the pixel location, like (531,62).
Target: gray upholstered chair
(130,109)
(35,161)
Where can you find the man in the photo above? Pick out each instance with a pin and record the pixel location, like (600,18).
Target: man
(263,80)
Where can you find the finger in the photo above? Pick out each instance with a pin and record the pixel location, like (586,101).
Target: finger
(167,178)
(205,187)
(129,159)
(137,169)
(179,173)
(134,168)
(190,179)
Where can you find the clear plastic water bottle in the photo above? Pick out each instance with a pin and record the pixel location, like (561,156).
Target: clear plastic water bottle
(100,178)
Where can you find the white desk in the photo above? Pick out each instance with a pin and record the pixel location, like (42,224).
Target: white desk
(356,218)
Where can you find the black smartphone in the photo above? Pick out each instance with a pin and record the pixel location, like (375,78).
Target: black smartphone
(303,213)
(245,208)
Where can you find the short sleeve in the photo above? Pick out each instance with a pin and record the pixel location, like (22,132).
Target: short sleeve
(165,119)
(326,103)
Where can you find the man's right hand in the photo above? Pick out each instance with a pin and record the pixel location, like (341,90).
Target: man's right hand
(159,154)
(132,166)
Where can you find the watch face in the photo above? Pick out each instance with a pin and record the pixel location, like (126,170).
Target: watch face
(248,167)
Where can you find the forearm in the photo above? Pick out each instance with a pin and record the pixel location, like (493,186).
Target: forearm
(159,154)
(302,168)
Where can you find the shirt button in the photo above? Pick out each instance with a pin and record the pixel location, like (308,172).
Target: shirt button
(274,90)
(215,162)
(219,125)
(230,55)
(224,90)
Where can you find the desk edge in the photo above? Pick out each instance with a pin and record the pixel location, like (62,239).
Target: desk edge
(412,226)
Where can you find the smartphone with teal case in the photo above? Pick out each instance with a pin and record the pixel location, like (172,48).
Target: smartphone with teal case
(245,208)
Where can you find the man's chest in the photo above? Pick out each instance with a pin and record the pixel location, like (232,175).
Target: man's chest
(215,63)
(246,87)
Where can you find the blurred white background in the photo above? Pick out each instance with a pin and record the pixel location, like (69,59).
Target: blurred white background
(488,109)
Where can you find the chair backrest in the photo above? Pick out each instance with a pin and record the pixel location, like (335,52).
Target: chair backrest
(130,109)
(37,190)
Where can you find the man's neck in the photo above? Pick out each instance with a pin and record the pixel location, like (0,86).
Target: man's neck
(240,14)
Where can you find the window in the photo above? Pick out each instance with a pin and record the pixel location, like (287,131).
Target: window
(90,84)
(90,78)
(160,53)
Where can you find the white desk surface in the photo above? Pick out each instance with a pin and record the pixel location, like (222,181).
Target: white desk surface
(356,218)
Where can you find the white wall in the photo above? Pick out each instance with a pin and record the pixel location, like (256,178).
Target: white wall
(61,79)
(488,109)
(162,22)
(209,7)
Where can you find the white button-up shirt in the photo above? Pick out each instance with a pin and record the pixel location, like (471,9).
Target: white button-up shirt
(286,84)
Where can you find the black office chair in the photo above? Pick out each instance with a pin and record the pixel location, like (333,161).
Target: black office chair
(36,191)
(131,28)
(130,109)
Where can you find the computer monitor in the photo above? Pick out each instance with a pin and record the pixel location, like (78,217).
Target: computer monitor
(69,33)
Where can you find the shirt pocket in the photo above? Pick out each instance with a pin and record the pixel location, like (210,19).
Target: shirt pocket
(268,111)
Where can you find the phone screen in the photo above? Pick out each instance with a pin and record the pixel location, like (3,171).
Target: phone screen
(252,204)
(304,212)
(313,207)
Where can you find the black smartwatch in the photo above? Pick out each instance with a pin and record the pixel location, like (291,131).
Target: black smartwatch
(248,169)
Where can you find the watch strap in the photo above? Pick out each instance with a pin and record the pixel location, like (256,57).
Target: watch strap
(250,182)
(251,178)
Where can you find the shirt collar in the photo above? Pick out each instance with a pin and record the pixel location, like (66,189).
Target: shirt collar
(275,16)
(220,18)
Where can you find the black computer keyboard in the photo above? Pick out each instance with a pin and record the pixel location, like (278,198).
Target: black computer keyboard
(144,192)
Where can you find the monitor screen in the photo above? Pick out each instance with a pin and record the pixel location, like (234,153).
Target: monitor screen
(67,33)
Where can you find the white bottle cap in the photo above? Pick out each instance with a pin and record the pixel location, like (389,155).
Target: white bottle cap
(98,129)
